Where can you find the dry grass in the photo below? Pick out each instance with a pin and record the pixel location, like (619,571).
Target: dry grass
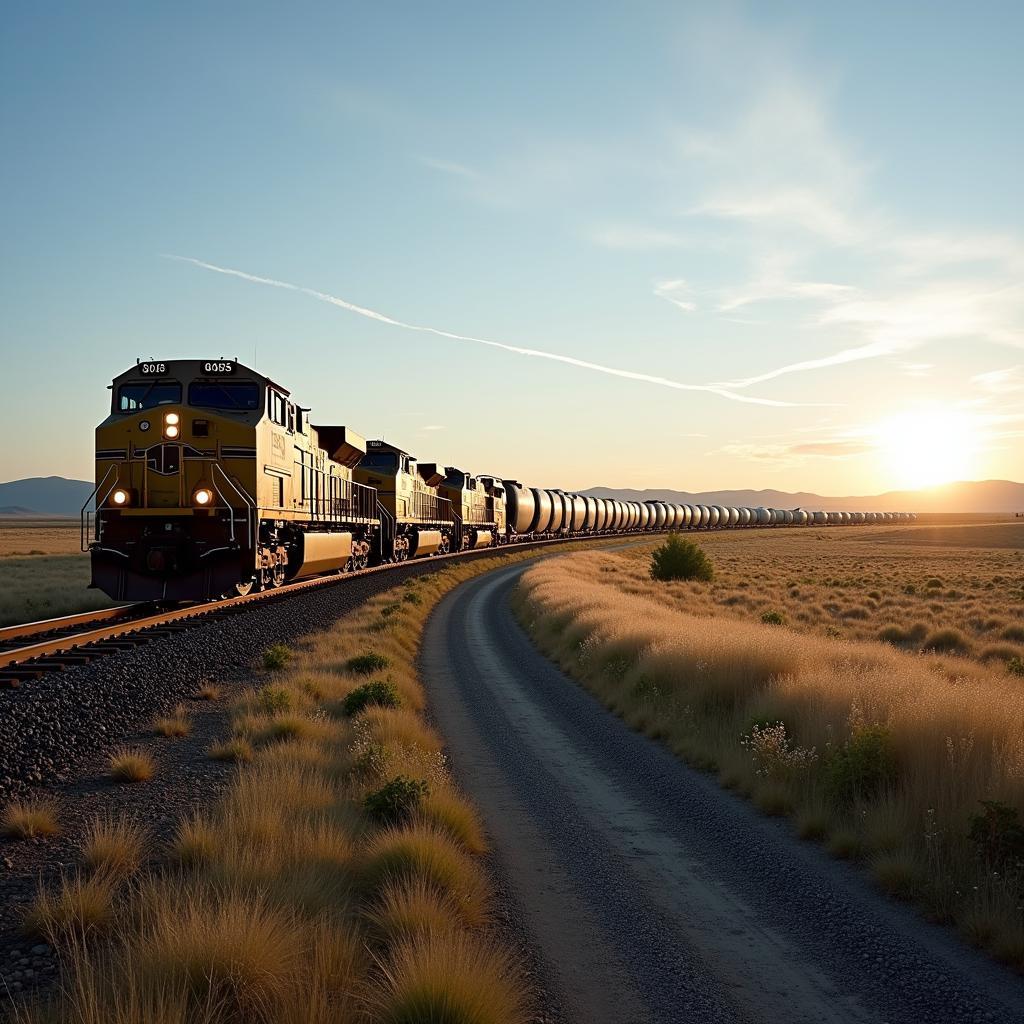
(886,753)
(29,819)
(283,902)
(449,977)
(177,724)
(114,846)
(209,691)
(131,766)
(47,586)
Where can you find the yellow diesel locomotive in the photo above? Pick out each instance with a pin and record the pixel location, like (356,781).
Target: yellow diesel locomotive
(210,480)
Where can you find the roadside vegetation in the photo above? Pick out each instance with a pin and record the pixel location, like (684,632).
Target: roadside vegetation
(908,758)
(337,877)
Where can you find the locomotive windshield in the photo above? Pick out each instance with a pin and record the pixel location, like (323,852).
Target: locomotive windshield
(385,461)
(238,395)
(133,397)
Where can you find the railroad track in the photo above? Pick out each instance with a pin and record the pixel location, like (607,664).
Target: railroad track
(38,648)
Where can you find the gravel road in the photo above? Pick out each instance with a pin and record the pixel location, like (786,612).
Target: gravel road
(649,893)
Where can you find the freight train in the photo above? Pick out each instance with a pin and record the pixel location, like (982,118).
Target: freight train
(212,481)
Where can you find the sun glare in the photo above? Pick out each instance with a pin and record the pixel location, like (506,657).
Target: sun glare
(922,449)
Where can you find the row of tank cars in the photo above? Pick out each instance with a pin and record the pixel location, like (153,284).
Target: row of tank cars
(212,480)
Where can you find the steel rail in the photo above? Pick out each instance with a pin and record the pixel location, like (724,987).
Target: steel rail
(120,623)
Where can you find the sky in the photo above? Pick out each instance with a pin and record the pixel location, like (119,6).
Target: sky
(641,245)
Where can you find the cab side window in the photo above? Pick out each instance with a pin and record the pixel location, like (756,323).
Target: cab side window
(278,409)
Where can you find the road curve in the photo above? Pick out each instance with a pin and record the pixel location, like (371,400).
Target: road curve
(649,893)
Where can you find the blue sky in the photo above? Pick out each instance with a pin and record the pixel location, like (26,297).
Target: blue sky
(808,214)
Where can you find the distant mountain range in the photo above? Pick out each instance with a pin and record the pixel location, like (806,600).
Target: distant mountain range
(964,496)
(43,496)
(57,496)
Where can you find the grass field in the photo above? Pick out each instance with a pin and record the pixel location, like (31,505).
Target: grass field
(45,572)
(871,686)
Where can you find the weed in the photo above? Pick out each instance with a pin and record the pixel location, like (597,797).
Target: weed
(381,693)
(114,846)
(367,664)
(237,749)
(998,835)
(396,801)
(176,724)
(276,657)
(773,618)
(859,769)
(1015,666)
(273,700)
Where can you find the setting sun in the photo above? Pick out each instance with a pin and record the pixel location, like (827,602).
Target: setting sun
(929,447)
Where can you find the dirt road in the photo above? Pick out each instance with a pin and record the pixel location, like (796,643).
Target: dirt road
(649,893)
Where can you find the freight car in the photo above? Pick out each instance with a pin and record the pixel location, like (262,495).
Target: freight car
(211,480)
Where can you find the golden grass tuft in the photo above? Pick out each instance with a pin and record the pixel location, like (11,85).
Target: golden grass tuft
(114,846)
(196,842)
(29,819)
(177,724)
(452,978)
(132,766)
(209,691)
(236,750)
(77,908)
(456,816)
(408,906)
(420,851)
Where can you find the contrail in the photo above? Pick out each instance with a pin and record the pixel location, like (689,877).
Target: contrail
(613,371)
(848,355)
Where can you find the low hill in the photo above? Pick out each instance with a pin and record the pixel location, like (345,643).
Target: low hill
(44,495)
(973,496)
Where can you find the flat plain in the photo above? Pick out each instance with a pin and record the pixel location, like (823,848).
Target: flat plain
(46,574)
(867,682)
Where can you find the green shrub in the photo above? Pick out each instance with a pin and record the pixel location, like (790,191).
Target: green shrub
(367,664)
(680,559)
(389,609)
(893,635)
(773,618)
(274,699)
(997,835)
(396,801)
(1015,666)
(276,657)
(861,767)
(381,693)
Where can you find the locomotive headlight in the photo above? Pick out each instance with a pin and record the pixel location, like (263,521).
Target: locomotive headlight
(171,428)
(171,431)
(172,419)
(202,496)
(119,497)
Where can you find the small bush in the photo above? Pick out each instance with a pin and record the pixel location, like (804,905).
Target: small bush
(933,584)
(29,819)
(396,801)
(893,635)
(276,657)
(859,769)
(367,664)
(390,609)
(680,559)
(1015,634)
(773,618)
(131,766)
(1015,666)
(274,699)
(998,835)
(411,597)
(380,693)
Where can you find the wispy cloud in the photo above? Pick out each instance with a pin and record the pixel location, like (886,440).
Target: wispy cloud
(634,375)
(1001,382)
(449,167)
(636,236)
(433,426)
(793,454)
(677,292)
